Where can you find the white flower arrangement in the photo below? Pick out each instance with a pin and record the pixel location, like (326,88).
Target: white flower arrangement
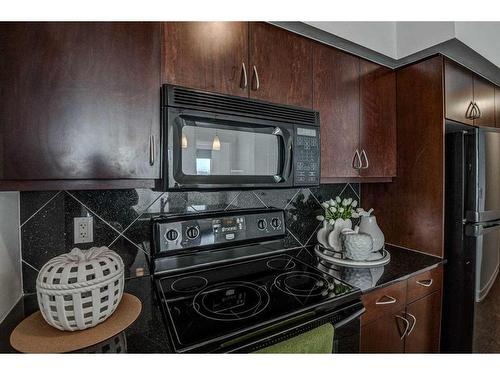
(339,209)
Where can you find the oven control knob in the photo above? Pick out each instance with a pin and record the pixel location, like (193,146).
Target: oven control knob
(262,224)
(192,232)
(172,235)
(275,222)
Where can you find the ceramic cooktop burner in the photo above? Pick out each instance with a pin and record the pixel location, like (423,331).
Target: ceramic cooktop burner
(231,301)
(281,264)
(303,284)
(189,284)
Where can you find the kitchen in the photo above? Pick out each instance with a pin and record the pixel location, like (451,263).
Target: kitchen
(243,187)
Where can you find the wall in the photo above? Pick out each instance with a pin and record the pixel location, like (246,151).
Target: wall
(412,37)
(10,255)
(483,37)
(121,219)
(378,36)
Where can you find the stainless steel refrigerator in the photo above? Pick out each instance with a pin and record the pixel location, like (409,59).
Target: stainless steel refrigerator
(472,234)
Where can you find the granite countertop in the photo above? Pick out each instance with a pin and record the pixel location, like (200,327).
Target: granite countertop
(404,263)
(149,335)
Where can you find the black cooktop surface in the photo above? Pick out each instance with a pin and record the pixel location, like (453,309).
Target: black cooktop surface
(220,302)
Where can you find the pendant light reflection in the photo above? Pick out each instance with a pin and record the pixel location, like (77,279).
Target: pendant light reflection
(184,141)
(216,143)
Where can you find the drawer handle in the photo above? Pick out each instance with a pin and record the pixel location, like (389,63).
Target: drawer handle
(426,283)
(407,324)
(388,300)
(413,324)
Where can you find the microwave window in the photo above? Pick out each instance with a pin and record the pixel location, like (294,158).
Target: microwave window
(209,151)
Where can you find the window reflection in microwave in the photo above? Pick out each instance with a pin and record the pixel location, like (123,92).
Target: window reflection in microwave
(237,152)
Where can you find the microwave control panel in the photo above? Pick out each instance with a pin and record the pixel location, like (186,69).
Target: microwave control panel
(306,156)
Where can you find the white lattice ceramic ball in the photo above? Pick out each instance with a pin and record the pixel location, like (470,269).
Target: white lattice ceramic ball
(80,289)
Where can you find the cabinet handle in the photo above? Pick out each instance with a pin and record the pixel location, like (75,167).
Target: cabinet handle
(427,283)
(389,300)
(356,157)
(478,111)
(468,112)
(363,153)
(245,77)
(256,74)
(413,324)
(407,323)
(152,149)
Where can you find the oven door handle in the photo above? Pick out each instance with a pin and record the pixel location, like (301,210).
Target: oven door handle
(349,319)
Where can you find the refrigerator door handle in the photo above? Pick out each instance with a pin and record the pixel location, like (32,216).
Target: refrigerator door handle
(476,230)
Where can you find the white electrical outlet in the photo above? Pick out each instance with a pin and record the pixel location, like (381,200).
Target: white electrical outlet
(83,229)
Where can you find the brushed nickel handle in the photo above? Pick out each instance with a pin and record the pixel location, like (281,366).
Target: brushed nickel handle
(152,149)
(468,112)
(414,323)
(356,157)
(478,111)
(245,77)
(257,81)
(389,300)
(427,283)
(407,323)
(363,153)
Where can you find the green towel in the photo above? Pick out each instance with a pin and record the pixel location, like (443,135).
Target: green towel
(318,340)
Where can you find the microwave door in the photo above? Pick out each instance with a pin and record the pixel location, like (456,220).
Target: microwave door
(224,153)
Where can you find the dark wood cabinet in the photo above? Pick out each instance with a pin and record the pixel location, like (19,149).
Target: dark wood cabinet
(383,335)
(336,97)
(210,56)
(280,66)
(79,101)
(377,120)
(404,317)
(484,98)
(497,107)
(459,93)
(424,336)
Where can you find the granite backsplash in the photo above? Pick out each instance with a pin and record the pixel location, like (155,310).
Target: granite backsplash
(121,218)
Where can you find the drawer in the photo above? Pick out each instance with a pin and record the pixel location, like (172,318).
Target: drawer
(425,283)
(384,301)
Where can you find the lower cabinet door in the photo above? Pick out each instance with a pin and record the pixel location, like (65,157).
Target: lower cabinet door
(425,317)
(383,335)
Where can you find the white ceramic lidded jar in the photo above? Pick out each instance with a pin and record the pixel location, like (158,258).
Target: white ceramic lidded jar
(369,225)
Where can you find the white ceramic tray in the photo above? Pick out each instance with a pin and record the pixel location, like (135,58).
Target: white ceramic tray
(377,259)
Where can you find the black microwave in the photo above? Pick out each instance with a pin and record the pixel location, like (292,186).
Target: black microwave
(216,141)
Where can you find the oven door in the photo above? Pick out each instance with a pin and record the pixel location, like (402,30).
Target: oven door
(209,151)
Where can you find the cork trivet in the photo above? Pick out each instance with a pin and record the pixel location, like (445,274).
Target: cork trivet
(35,335)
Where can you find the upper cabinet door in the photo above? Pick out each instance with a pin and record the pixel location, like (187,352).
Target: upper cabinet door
(378,120)
(497,107)
(484,97)
(459,93)
(80,100)
(280,66)
(336,97)
(210,56)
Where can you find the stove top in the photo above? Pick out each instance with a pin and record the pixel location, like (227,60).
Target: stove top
(220,303)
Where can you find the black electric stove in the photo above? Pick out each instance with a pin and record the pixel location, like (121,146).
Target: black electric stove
(244,304)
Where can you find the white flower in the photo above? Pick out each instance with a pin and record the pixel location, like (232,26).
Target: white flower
(344,202)
(332,221)
(320,217)
(338,199)
(354,215)
(333,209)
(341,209)
(349,201)
(331,202)
(354,203)
(325,204)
